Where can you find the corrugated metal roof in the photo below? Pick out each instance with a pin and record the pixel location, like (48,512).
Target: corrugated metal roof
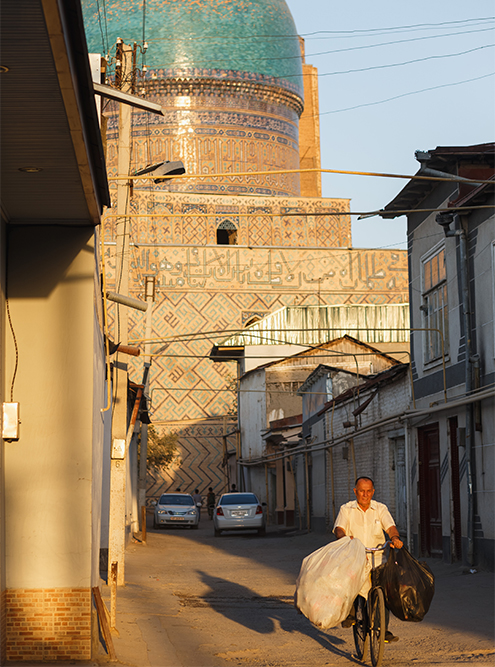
(385,377)
(442,158)
(313,325)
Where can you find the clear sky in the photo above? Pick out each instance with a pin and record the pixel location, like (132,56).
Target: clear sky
(383,137)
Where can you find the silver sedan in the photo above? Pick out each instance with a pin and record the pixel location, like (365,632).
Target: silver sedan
(239,511)
(176,509)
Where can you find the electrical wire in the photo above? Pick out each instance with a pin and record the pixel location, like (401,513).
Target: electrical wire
(101,27)
(348,49)
(215,333)
(106,24)
(16,365)
(414,26)
(374,46)
(348,172)
(414,92)
(407,62)
(332,34)
(307,214)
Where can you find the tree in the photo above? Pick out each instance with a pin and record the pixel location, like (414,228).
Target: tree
(232,386)
(162,449)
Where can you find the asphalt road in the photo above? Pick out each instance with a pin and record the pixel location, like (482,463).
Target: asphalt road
(195,600)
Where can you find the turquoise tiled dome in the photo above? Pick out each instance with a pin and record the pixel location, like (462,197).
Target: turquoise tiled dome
(203,37)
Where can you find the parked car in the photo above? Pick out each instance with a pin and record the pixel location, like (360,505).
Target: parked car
(175,509)
(239,511)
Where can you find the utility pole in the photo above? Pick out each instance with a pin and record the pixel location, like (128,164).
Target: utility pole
(150,297)
(118,464)
(125,83)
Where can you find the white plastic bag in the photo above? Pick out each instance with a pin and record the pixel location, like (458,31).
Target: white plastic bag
(329,581)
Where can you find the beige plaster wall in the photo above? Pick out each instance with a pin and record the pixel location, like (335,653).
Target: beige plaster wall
(3,318)
(49,470)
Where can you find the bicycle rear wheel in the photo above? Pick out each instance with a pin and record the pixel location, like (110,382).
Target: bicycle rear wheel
(360,628)
(377,626)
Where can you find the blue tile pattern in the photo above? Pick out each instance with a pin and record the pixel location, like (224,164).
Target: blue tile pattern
(228,37)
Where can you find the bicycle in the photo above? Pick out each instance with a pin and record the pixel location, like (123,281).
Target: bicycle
(370,617)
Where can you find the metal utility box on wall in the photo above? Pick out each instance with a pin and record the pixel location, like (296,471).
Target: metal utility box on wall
(10,421)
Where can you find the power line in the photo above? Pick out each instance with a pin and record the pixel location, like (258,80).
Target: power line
(400,41)
(333,33)
(322,53)
(101,26)
(413,92)
(306,214)
(414,26)
(348,172)
(106,24)
(206,335)
(407,62)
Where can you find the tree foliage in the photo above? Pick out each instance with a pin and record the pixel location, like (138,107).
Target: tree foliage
(232,386)
(163,451)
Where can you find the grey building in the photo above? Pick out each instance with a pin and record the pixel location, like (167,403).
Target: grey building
(451,247)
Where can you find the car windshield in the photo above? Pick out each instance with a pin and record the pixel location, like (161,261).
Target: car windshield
(175,500)
(239,499)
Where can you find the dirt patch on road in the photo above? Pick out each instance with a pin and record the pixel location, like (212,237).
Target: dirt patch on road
(219,602)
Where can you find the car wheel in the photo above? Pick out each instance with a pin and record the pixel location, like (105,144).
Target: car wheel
(217,532)
(262,531)
(195,526)
(155,525)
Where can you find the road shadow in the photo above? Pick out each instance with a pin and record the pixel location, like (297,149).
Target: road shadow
(474,594)
(263,615)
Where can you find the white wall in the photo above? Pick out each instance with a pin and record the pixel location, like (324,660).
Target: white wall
(252,413)
(258,355)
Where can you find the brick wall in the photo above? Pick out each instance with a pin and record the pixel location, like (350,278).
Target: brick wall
(3,616)
(48,624)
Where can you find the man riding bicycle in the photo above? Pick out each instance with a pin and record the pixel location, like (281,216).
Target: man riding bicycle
(367,520)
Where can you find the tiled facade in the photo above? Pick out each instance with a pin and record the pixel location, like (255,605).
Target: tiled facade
(46,624)
(205,287)
(229,77)
(256,37)
(217,127)
(227,109)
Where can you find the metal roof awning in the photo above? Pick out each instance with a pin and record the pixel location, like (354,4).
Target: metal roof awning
(442,159)
(226,353)
(52,162)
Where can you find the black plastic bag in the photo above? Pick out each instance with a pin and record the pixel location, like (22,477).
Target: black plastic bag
(408,585)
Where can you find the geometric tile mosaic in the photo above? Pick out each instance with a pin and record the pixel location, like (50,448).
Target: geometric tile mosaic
(202,289)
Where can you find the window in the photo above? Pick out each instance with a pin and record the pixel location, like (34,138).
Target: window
(226,233)
(434,306)
(169,499)
(239,499)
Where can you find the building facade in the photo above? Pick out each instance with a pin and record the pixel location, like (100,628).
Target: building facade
(358,432)
(452,277)
(52,359)
(279,402)
(227,244)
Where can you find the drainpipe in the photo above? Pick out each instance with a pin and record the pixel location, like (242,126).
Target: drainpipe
(445,220)
(408,485)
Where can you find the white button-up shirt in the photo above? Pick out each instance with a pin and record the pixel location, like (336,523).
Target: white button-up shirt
(368,527)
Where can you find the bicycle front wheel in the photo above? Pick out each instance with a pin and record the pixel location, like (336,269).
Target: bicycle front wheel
(377,626)
(360,628)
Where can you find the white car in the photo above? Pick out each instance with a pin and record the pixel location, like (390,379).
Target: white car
(175,509)
(239,511)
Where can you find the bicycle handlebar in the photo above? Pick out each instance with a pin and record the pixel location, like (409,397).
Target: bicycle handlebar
(380,547)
